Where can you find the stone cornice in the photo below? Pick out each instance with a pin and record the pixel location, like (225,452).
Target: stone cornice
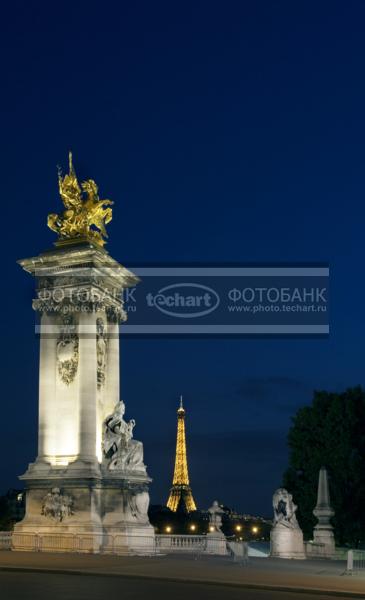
(74,260)
(114,311)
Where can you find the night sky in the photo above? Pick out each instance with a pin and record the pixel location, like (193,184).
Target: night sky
(224,132)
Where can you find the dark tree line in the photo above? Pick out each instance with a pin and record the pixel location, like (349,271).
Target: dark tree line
(330,433)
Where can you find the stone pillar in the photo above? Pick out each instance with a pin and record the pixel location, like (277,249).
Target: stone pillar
(76,496)
(87,386)
(323,535)
(47,384)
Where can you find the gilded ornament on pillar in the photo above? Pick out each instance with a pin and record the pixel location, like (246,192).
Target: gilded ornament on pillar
(86,214)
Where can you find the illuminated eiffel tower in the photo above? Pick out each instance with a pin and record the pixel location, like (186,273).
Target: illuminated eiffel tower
(181,496)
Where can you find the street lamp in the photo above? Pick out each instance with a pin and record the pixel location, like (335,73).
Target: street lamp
(168,529)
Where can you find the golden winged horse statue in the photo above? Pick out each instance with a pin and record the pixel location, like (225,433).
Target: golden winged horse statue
(82,217)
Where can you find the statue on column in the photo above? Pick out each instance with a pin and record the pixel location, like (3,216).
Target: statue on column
(120,450)
(83,217)
(89,474)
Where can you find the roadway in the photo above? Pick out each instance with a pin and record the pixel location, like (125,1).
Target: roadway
(45,586)
(66,576)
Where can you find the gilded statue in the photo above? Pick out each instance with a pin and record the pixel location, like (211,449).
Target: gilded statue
(85,215)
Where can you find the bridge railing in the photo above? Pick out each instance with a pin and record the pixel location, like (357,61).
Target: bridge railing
(181,543)
(355,561)
(239,551)
(83,543)
(113,543)
(5,540)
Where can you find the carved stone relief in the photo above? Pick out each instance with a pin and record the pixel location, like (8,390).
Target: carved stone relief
(101,349)
(57,506)
(67,351)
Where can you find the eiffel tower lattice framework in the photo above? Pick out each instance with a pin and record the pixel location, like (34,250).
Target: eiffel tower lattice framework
(181,496)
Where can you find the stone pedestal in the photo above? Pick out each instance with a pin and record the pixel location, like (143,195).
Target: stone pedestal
(216,543)
(76,499)
(216,540)
(286,543)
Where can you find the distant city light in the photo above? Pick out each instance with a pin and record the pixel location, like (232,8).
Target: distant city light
(238,527)
(255,529)
(192,527)
(168,529)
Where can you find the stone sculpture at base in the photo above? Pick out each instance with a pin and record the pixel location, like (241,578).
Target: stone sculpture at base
(87,490)
(286,537)
(216,540)
(120,451)
(215,517)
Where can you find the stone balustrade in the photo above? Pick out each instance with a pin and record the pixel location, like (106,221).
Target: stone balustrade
(5,540)
(113,543)
(181,543)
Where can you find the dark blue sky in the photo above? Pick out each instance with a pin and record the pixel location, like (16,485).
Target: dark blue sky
(224,132)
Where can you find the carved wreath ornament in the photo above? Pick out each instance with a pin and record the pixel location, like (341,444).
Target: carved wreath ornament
(67,352)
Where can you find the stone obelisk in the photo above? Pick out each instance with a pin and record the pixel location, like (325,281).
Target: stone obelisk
(323,531)
(87,489)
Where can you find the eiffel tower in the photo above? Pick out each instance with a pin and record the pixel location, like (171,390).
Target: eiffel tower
(181,496)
